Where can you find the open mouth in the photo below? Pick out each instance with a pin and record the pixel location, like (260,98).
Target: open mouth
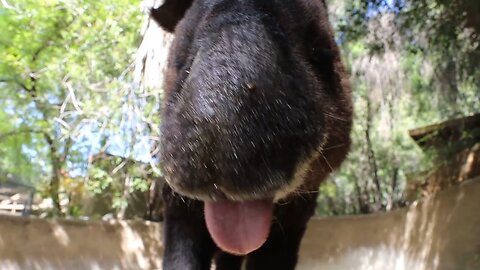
(239,227)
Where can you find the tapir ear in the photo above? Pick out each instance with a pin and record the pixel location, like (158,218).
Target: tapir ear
(168,14)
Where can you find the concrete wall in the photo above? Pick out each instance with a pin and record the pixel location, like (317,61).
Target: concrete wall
(441,233)
(39,244)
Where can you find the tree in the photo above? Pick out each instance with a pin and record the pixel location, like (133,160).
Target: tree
(446,33)
(61,63)
(413,63)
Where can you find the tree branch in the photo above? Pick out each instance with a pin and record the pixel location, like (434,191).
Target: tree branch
(371,153)
(19,83)
(18,132)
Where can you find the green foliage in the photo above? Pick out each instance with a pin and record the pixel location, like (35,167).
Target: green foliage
(118,182)
(444,33)
(62,63)
(412,65)
(101,180)
(139,184)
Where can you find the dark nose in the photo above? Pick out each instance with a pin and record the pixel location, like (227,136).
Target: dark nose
(243,117)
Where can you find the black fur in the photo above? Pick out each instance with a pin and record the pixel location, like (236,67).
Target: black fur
(170,13)
(254,89)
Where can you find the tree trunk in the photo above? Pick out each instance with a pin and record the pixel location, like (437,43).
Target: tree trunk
(54,185)
(371,155)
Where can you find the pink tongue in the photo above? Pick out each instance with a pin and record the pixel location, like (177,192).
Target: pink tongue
(239,227)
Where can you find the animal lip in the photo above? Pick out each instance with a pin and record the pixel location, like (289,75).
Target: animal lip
(239,227)
(225,190)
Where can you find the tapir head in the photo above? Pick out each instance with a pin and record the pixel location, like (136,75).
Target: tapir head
(254,94)
(256,109)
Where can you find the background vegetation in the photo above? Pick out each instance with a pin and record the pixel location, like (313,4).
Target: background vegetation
(71,97)
(413,63)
